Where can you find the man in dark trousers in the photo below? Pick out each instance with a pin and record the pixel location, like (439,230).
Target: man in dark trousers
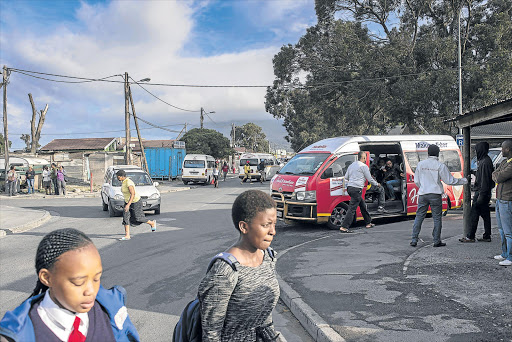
(357,174)
(482,196)
(428,176)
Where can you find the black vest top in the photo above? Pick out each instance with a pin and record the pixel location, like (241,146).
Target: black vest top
(99,326)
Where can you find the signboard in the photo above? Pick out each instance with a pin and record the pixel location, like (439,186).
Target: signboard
(460,140)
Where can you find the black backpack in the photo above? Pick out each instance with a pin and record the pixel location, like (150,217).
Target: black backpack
(188,328)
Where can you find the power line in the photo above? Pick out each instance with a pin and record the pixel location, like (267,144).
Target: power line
(112,131)
(156,97)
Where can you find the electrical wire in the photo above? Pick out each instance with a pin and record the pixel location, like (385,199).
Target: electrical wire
(167,103)
(27,73)
(112,131)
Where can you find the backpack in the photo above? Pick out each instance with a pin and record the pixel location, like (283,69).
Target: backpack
(188,328)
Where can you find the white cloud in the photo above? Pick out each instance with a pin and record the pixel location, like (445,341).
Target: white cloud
(146,39)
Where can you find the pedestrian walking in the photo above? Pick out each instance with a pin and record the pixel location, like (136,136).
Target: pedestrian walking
(12,181)
(133,213)
(261,170)
(225,170)
(68,302)
(216,176)
(357,174)
(503,178)
(483,186)
(428,176)
(47,181)
(234,168)
(236,302)
(61,180)
(247,172)
(53,176)
(29,176)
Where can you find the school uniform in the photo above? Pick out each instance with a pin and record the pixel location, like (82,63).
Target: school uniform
(38,320)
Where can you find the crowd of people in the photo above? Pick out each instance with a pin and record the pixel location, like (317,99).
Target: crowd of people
(53,180)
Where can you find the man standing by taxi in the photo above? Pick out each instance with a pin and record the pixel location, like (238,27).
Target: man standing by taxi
(428,176)
(503,177)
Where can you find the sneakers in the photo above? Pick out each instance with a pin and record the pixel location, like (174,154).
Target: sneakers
(439,244)
(506,263)
(499,257)
(465,239)
(381,210)
(413,244)
(484,239)
(153,228)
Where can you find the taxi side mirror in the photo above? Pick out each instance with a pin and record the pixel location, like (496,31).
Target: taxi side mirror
(328,173)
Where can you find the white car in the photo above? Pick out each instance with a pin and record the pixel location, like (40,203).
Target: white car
(112,198)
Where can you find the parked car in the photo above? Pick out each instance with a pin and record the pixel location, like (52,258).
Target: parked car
(112,199)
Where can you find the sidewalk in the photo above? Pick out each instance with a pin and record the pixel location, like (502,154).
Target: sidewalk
(17,220)
(372,286)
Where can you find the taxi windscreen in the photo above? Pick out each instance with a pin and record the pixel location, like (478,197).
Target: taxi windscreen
(194,164)
(304,164)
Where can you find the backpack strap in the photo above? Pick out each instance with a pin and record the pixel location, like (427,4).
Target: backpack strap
(271,253)
(227,258)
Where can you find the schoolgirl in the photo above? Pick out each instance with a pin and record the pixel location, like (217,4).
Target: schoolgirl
(68,302)
(236,303)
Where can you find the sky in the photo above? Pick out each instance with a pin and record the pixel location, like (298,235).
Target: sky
(225,42)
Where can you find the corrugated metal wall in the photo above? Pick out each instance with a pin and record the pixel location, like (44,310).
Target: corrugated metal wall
(164,162)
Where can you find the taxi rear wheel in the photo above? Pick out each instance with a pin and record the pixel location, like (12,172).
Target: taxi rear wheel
(337,216)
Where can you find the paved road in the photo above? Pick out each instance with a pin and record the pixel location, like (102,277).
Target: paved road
(160,271)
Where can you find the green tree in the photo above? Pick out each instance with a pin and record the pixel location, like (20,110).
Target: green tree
(207,141)
(2,143)
(342,79)
(251,137)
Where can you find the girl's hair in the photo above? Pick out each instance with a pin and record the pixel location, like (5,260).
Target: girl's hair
(52,246)
(248,204)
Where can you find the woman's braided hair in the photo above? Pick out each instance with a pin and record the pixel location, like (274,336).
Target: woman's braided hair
(52,246)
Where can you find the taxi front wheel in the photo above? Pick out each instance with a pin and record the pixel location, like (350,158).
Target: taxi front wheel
(337,216)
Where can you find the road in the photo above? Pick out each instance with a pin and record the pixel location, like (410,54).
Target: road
(160,270)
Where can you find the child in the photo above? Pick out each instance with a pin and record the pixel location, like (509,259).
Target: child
(237,302)
(68,302)
(216,176)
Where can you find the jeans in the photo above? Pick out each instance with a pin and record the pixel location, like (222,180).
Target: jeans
(436,205)
(55,186)
(62,187)
(11,188)
(479,208)
(356,200)
(390,184)
(30,184)
(504,218)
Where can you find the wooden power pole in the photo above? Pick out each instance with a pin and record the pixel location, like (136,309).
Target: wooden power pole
(144,161)
(128,154)
(6,136)
(202,117)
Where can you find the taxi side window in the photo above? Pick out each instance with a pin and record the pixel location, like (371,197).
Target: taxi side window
(340,165)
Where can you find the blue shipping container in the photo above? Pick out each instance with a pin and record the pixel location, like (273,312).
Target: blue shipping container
(165,162)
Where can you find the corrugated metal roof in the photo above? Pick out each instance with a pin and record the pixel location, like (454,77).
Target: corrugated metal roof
(77,144)
(500,129)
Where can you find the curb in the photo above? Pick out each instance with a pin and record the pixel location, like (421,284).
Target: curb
(24,227)
(319,330)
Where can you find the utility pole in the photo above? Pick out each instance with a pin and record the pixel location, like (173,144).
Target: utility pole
(144,161)
(6,137)
(128,155)
(201,118)
(233,135)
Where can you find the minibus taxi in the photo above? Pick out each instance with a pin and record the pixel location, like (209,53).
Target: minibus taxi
(197,168)
(312,187)
(271,165)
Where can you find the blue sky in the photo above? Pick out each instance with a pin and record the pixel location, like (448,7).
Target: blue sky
(178,42)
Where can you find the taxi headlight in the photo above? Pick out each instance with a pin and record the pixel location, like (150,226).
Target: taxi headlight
(118,197)
(154,196)
(306,195)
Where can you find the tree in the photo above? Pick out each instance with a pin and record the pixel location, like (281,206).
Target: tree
(26,139)
(207,141)
(2,144)
(342,79)
(35,132)
(251,137)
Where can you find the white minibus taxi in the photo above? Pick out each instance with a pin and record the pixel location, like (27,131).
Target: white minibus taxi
(271,165)
(197,168)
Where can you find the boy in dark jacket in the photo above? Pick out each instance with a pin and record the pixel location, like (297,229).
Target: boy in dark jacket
(483,187)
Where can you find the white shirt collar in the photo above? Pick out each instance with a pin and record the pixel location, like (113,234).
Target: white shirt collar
(60,321)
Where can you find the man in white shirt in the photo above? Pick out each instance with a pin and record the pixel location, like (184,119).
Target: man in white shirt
(357,174)
(428,176)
